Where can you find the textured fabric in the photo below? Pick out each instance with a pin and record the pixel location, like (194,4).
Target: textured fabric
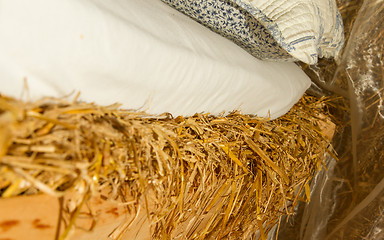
(141,53)
(280,30)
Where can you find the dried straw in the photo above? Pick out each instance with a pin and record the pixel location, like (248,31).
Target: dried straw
(219,177)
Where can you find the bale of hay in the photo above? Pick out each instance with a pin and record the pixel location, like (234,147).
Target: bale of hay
(200,177)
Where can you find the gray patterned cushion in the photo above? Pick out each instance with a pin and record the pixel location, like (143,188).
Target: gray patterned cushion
(279,30)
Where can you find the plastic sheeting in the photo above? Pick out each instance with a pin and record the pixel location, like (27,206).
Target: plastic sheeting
(348,198)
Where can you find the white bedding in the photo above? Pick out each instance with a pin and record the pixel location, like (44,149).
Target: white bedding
(140,53)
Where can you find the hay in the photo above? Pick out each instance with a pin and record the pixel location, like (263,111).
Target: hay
(237,174)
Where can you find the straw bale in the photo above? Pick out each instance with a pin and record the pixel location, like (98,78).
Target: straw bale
(223,177)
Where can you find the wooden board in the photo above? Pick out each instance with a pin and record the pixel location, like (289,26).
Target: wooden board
(36,217)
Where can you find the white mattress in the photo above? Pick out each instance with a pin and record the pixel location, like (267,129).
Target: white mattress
(140,53)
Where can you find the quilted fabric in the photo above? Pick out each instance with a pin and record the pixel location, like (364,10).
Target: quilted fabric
(278,30)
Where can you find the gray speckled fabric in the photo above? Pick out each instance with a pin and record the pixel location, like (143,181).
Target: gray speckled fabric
(245,24)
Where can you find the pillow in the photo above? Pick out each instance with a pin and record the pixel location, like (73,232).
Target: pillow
(279,30)
(143,54)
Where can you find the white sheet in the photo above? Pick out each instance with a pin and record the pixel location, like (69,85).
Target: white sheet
(141,53)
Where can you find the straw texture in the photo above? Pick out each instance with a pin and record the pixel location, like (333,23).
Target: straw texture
(209,177)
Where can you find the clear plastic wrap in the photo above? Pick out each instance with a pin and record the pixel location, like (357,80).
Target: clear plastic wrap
(348,198)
